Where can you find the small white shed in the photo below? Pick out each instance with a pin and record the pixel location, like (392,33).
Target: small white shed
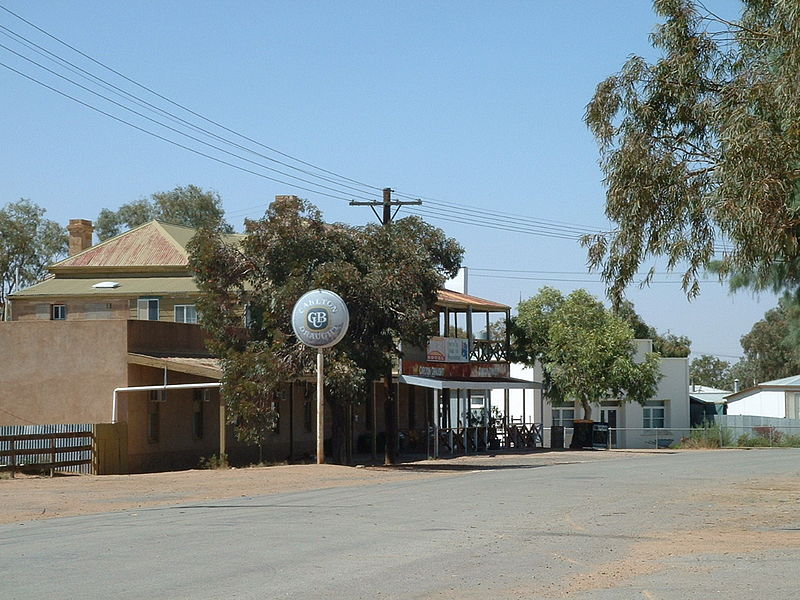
(778,398)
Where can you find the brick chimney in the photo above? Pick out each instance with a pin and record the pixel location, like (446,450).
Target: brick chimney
(80,235)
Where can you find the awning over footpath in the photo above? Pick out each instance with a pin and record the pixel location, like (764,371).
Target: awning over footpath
(477,383)
(200,366)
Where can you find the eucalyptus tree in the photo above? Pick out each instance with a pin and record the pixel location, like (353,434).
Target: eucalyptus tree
(700,148)
(771,346)
(586,351)
(668,345)
(28,244)
(183,205)
(711,371)
(388,276)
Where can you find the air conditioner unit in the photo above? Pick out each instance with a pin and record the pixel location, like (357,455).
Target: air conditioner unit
(158,395)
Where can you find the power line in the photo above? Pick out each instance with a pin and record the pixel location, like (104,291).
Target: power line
(491,270)
(143,103)
(170,128)
(487,223)
(598,280)
(474,216)
(160,137)
(183,107)
(515,217)
(62,62)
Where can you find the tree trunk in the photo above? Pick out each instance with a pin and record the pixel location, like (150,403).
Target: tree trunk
(587,409)
(582,429)
(390,416)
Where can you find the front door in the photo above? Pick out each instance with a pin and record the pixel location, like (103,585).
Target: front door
(609,415)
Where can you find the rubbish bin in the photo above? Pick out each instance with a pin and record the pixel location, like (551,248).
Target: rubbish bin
(600,436)
(557,437)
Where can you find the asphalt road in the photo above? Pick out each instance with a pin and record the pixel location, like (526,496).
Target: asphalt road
(651,526)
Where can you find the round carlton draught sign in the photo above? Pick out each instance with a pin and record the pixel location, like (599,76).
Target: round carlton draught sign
(320,318)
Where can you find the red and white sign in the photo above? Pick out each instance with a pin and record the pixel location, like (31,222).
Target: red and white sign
(444,349)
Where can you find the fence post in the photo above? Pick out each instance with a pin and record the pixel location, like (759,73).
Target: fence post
(13,458)
(52,455)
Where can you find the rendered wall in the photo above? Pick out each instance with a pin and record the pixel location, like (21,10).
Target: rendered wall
(60,371)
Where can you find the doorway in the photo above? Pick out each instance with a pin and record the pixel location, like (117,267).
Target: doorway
(609,415)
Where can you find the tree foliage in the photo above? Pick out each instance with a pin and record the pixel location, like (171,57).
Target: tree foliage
(702,146)
(28,244)
(770,351)
(586,351)
(668,345)
(190,206)
(388,276)
(711,371)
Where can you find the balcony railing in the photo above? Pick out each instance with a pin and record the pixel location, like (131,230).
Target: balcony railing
(488,351)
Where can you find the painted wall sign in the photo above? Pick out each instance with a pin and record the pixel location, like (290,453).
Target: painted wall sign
(320,319)
(456,370)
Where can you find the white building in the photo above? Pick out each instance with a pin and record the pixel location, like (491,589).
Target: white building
(658,423)
(778,398)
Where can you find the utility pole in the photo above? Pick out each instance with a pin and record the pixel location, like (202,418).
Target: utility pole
(390,400)
(387,203)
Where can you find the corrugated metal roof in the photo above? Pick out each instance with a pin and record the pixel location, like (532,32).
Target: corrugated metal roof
(128,286)
(151,244)
(791,383)
(793,380)
(453,299)
(712,397)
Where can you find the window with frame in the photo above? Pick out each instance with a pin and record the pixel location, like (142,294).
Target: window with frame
(58,312)
(653,415)
(147,309)
(185,313)
(564,417)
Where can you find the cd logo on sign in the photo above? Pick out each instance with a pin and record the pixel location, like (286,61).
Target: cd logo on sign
(317,319)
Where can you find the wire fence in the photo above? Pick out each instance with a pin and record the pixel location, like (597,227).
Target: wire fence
(762,432)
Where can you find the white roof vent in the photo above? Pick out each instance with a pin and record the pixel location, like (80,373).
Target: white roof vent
(106,285)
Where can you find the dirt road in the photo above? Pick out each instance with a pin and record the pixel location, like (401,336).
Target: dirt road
(27,498)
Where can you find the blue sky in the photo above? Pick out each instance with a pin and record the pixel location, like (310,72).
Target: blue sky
(474,104)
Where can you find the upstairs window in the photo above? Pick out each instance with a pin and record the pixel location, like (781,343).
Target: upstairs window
(185,313)
(58,312)
(147,309)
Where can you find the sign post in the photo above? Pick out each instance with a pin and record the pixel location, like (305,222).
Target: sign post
(320,320)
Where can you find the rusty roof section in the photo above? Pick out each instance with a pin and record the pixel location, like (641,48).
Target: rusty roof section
(457,300)
(150,245)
